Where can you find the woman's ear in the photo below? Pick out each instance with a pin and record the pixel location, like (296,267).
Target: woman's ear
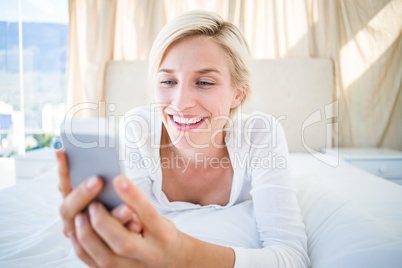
(237,98)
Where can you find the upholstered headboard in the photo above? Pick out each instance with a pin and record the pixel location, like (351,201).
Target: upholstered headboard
(299,92)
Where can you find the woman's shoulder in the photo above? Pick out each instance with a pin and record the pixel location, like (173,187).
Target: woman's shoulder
(257,122)
(257,130)
(256,119)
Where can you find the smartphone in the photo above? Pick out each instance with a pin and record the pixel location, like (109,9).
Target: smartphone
(91,146)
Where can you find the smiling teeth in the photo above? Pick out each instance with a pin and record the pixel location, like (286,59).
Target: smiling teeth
(187,121)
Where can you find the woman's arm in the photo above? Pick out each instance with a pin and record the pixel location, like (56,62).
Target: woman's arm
(204,254)
(276,209)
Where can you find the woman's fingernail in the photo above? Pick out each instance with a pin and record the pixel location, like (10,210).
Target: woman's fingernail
(123,184)
(69,234)
(91,183)
(93,208)
(79,220)
(123,211)
(133,226)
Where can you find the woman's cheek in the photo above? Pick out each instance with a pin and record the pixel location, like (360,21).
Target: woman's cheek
(161,96)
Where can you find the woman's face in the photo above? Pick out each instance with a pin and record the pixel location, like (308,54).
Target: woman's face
(195,89)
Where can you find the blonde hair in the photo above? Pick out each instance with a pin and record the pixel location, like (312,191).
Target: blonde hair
(226,34)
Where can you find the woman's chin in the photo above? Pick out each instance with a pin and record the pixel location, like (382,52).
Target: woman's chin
(186,143)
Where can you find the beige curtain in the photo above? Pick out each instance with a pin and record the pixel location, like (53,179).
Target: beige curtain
(90,47)
(362,37)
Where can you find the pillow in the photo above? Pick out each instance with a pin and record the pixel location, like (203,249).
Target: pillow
(347,224)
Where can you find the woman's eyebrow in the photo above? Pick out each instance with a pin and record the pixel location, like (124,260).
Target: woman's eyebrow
(202,71)
(208,70)
(169,71)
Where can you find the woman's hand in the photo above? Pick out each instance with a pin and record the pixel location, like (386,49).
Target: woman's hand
(101,241)
(75,201)
(119,239)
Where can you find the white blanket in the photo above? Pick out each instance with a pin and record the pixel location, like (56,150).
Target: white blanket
(353,219)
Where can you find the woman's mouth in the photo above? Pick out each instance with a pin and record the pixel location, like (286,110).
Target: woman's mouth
(186,122)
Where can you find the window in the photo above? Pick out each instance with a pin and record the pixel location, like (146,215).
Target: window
(32,72)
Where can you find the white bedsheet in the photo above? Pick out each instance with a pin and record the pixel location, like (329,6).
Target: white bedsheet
(353,219)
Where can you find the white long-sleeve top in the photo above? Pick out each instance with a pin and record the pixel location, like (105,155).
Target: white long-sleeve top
(261,221)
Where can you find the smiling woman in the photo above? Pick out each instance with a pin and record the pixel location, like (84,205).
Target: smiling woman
(208,159)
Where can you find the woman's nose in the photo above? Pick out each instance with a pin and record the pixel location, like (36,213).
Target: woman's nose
(184,97)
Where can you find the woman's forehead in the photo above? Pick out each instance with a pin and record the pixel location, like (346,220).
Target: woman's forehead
(200,54)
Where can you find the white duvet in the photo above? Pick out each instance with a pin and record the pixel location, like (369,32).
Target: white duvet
(353,219)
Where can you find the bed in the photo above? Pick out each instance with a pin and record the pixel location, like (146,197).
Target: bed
(352,218)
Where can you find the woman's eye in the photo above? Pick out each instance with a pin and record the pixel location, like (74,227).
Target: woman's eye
(204,83)
(168,82)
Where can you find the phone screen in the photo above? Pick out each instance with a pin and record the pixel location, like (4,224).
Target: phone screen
(91,149)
